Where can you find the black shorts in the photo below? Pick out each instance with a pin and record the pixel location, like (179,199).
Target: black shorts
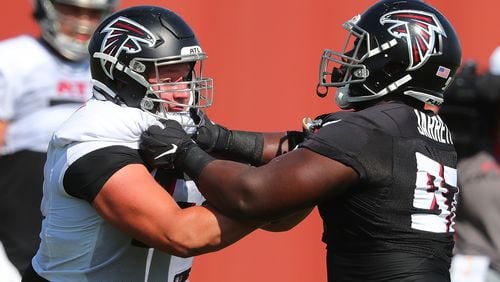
(21,181)
(388,266)
(31,276)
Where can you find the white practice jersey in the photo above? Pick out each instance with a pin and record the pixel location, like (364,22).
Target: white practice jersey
(38,91)
(76,243)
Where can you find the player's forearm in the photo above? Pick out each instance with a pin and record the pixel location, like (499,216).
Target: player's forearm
(200,230)
(239,189)
(288,222)
(187,232)
(243,191)
(133,202)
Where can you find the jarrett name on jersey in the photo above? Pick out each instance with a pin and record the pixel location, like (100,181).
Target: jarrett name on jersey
(433,127)
(38,91)
(78,239)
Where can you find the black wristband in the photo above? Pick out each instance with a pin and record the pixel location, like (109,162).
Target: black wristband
(222,139)
(193,160)
(245,146)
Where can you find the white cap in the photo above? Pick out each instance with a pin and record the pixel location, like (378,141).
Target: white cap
(495,62)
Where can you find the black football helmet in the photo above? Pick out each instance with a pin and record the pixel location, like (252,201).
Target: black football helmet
(50,20)
(396,46)
(135,42)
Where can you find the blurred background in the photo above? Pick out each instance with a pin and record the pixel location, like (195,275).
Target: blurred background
(264,56)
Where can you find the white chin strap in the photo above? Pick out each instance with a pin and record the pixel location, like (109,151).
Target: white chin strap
(344,100)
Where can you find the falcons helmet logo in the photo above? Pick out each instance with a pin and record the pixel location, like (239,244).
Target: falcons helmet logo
(420,31)
(123,35)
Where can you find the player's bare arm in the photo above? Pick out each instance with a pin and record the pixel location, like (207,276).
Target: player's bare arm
(269,191)
(135,203)
(264,192)
(287,222)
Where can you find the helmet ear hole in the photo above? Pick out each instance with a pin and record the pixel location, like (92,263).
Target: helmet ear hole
(148,104)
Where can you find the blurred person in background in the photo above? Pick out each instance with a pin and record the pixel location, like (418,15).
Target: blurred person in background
(43,81)
(472,113)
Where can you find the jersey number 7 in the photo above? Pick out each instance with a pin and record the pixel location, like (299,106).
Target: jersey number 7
(434,197)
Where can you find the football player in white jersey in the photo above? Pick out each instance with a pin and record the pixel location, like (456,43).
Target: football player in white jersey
(42,82)
(107,215)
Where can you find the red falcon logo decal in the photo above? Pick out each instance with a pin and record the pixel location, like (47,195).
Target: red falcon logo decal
(419,29)
(123,35)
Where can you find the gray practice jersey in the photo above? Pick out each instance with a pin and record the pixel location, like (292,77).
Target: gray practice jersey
(38,91)
(77,243)
(478,228)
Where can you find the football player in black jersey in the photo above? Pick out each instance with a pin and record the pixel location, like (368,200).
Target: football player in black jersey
(382,174)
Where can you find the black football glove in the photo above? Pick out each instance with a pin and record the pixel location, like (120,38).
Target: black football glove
(171,147)
(210,136)
(160,147)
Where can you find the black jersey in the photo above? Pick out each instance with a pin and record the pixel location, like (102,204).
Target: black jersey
(396,223)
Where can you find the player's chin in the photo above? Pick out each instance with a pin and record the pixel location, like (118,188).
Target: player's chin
(176,109)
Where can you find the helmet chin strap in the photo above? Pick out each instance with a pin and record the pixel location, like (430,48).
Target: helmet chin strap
(344,100)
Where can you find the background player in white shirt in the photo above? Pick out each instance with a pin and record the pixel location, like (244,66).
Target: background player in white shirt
(42,82)
(108,216)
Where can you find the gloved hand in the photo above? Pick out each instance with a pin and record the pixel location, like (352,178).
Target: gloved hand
(162,147)
(210,136)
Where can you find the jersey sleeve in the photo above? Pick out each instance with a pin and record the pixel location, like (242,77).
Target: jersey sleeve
(351,141)
(85,177)
(7,97)
(13,73)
